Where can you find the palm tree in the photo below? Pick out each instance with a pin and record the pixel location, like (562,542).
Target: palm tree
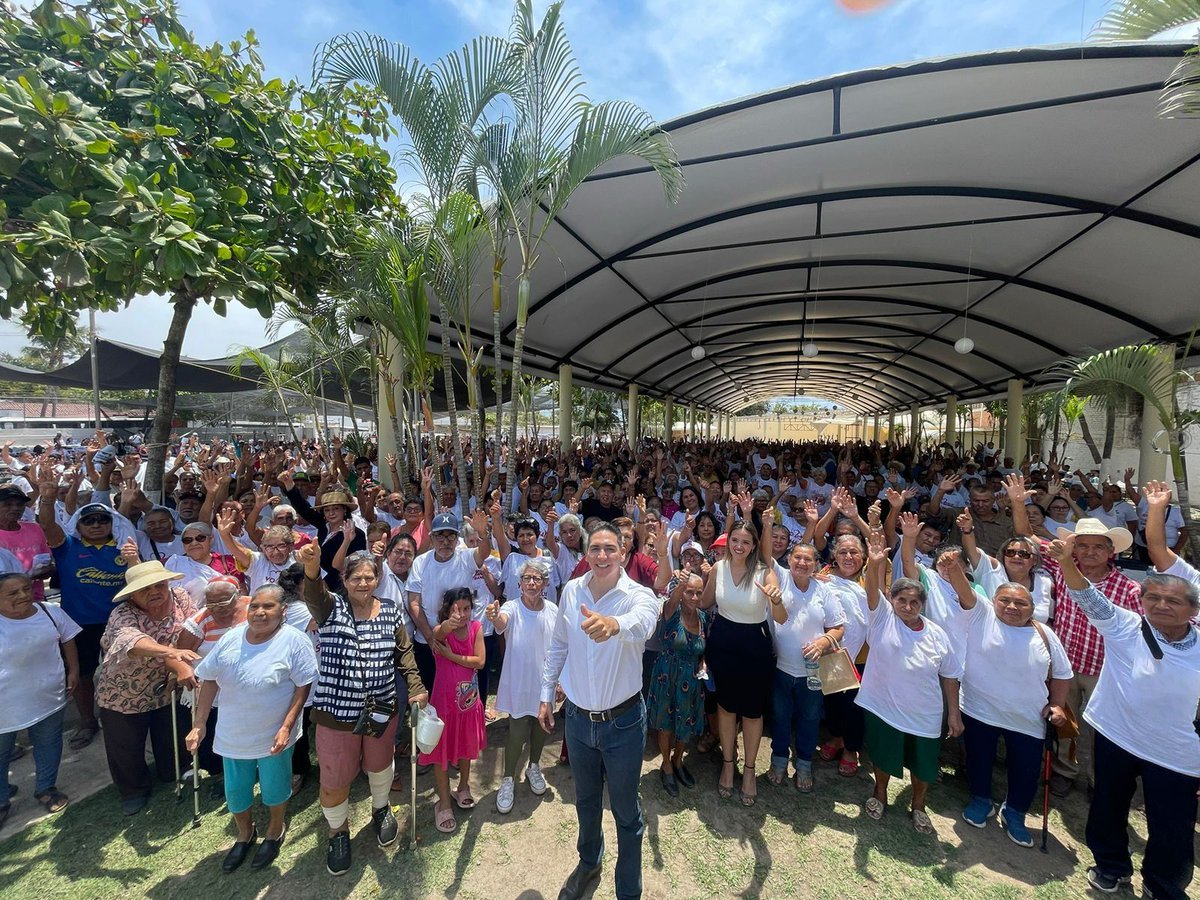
(557,139)
(1148,370)
(275,375)
(1134,20)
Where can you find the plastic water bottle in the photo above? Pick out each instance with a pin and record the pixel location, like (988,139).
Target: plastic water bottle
(813,670)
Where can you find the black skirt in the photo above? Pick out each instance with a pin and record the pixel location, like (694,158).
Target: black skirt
(742,661)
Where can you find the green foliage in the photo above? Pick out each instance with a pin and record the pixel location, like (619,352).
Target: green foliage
(1139,20)
(133,160)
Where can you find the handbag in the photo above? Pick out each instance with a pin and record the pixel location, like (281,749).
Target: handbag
(1068,730)
(837,670)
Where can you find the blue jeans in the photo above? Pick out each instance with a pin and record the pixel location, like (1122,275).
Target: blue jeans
(796,716)
(1023,760)
(47,739)
(612,752)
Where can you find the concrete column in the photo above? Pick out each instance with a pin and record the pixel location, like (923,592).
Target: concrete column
(875,431)
(951,419)
(633,420)
(914,425)
(565,406)
(891,432)
(691,422)
(1152,466)
(1014,438)
(668,418)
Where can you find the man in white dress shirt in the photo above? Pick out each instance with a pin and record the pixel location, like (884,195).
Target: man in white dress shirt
(595,656)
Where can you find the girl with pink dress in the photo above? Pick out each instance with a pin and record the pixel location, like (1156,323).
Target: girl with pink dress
(458,651)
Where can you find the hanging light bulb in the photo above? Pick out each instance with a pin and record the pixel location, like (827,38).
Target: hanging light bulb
(809,349)
(801,374)
(964,345)
(697,352)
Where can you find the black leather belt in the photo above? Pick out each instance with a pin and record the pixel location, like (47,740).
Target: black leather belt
(607,715)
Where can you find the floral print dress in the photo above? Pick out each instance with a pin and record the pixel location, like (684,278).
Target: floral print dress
(675,702)
(132,684)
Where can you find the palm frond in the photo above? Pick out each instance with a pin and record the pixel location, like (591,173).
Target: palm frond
(1145,369)
(1137,20)
(1180,98)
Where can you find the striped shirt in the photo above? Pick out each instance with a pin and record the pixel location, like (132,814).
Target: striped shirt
(357,659)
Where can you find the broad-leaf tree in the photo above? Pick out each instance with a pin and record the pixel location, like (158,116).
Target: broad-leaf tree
(135,161)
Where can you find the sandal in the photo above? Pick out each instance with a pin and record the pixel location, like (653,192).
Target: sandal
(83,736)
(53,799)
(848,768)
(726,792)
(748,799)
(443,820)
(921,822)
(829,751)
(775,776)
(874,808)
(463,799)
(804,782)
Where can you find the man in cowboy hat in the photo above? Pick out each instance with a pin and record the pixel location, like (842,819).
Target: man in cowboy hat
(1096,548)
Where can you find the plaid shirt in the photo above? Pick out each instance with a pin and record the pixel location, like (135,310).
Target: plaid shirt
(1084,646)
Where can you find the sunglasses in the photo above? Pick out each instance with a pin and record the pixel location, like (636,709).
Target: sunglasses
(1013,553)
(191,540)
(95,520)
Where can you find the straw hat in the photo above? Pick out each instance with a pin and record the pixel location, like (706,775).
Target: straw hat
(143,575)
(1121,538)
(335,498)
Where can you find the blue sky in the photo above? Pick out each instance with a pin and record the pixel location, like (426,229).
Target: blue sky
(671,56)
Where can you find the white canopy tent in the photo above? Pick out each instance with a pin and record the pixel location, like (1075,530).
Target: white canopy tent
(1034,191)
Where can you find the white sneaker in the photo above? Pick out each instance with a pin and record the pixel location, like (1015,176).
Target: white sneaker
(504,797)
(535,779)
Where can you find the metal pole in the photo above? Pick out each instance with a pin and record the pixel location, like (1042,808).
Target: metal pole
(95,368)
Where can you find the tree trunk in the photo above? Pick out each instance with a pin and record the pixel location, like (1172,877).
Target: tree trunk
(397,436)
(498,375)
(515,376)
(1090,441)
(464,494)
(160,432)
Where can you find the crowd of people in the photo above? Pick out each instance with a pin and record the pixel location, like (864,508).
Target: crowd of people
(871,605)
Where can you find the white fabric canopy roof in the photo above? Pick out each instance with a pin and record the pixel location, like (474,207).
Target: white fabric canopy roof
(1035,188)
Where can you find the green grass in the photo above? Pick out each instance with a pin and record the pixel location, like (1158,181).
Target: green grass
(787,845)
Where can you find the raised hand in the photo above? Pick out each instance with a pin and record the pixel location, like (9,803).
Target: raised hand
(226,521)
(1157,494)
(894,497)
(129,552)
(877,550)
(1062,548)
(812,513)
(964,522)
(910,525)
(1014,486)
(599,628)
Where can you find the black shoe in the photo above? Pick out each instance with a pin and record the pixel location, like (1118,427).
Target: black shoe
(386,829)
(134,805)
(337,857)
(1105,883)
(684,776)
(578,882)
(267,851)
(238,852)
(670,785)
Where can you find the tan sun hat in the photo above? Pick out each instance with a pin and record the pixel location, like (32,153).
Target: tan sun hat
(1121,538)
(335,498)
(143,575)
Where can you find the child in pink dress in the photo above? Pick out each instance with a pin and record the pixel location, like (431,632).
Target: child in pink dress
(458,649)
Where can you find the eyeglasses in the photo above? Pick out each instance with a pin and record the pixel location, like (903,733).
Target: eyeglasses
(95,520)
(532,578)
(277,546)
(191,540)
(1014,553)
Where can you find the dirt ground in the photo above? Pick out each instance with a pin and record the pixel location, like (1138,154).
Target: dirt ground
(696,845)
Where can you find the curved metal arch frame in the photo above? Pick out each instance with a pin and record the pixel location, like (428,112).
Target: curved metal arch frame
(1060,201)
(886,391)
(787,358)
(799,296)
(840,390)
(864,341)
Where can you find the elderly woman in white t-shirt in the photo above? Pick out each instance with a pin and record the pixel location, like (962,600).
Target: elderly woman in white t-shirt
(38,670)
(1019,561)
(527,624)
(263,669)
(913,664)
(1008,660)
(1144,711)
